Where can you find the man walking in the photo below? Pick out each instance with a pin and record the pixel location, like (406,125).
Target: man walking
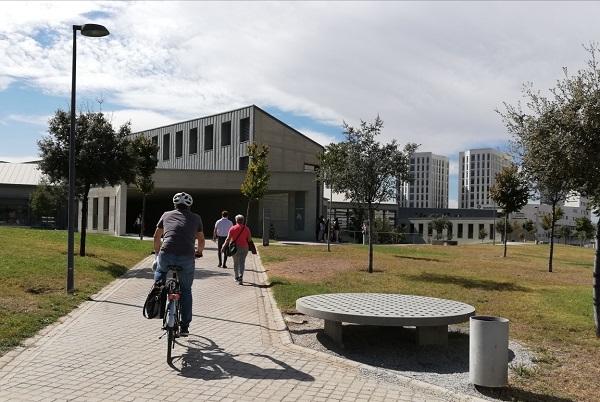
(180,228)
(222,227)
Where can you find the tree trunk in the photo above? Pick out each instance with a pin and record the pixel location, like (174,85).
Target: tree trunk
(505,226)
(143,221)
(597,282)
(552,237)
(84,219)
(370,224)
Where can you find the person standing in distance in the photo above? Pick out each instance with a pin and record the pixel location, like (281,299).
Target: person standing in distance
(240,235)
(180,228)
(222,227)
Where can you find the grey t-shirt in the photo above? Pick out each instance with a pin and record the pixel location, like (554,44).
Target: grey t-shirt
(180,228)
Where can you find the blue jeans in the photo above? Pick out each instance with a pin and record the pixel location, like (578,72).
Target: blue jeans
(186,278)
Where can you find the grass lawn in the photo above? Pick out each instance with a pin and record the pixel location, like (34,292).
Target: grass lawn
(33,276)
(551,313)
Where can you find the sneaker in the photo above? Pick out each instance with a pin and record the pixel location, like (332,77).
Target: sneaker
(240,281)
(219,266)
(224,266)
(185,331)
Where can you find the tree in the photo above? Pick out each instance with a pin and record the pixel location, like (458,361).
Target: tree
(365,170)
(510,192)
(565,232)
(46,199)
(257,177)
(529,227)
(439,224)
(482,235)
(144,151)
(584,229)
(504,228)
(548,224)
(101,156)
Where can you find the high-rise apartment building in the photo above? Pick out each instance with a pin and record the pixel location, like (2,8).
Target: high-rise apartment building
(429,188)
(477,169)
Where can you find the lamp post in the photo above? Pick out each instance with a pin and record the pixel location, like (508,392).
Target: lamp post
(93,30)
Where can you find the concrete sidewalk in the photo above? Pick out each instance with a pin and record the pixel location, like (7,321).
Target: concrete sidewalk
(239,349)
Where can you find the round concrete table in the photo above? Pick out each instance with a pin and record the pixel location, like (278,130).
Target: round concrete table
(431,316)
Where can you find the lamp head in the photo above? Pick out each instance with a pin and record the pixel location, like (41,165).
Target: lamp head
(94,30)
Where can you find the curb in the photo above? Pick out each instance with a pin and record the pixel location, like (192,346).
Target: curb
(285,340)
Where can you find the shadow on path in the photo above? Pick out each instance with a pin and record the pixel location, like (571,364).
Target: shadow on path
(204,359)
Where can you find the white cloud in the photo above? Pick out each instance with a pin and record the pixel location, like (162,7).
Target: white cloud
(321,138)
(435,72)
(37,120)
(140,119)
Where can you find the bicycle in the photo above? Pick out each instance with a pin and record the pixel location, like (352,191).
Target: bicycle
(172,317)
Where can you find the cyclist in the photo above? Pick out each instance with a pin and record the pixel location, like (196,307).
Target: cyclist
(180,228)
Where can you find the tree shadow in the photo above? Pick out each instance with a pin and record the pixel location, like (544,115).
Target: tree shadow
(406,257)
(468,282)
(518,394)
(115,270)
(395,348)
(147,273)
(202,358)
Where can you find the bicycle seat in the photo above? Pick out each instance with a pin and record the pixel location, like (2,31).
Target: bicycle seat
(176,268)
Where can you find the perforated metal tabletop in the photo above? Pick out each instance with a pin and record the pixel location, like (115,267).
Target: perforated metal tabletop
(385,309)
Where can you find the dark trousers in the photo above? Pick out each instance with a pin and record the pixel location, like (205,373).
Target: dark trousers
(220,241)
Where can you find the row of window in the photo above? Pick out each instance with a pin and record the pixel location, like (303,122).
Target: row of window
(208,138)
(105,213)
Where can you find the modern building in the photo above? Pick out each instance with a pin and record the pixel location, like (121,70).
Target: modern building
(477,169)
(207,157)
(429,187)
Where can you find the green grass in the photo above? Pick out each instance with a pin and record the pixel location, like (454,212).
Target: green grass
(33,276)
(549,312)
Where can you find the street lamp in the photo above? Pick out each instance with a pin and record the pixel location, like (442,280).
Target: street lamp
(93,30)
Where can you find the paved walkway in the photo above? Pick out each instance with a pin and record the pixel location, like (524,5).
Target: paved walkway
(238,350)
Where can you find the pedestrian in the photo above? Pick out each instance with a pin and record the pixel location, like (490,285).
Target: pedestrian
(336,230)
(137,225)
(321,229)
(365,232)
(240,235)
(179,228)
(222,227)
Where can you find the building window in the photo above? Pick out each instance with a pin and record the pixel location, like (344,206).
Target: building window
(95,213)
(179,144)
(105,213)
(245,129)
(460,231)
(244,160)
(225,133)
(420,228)
(208,138)
(166,146)
(155,142)
(193,140)
(470,234)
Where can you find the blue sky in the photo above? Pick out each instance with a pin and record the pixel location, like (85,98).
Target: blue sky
(434,71)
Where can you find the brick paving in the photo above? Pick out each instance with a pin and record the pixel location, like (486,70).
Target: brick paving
(238,350)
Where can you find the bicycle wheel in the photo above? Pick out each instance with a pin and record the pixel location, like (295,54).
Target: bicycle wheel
(170,343)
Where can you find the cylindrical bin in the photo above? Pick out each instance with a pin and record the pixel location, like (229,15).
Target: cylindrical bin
(488,351)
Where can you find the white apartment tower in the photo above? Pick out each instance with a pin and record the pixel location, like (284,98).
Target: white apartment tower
(477,169)
(429,188)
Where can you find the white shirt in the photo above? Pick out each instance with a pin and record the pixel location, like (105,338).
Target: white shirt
(222,227)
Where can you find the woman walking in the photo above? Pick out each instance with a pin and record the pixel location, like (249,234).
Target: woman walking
(240,235)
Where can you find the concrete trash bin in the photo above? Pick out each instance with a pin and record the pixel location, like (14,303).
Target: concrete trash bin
(488,351)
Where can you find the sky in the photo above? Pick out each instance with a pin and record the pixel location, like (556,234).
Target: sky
(435,72)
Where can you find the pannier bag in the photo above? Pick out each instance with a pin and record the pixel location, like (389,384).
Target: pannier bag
(156,301)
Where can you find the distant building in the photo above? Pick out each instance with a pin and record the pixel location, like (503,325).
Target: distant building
(429,187)
(477,169)
(207,157)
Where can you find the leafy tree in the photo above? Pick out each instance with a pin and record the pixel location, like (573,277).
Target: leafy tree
(584,229)
(365,170)
(504,228)
(482,234)
(439,224)
(510,192)
(46,199)
(529,227)
(101,156)
(549,222)
(144,151)
(257,177)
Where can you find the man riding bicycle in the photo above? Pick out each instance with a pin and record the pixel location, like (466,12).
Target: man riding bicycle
(180,228)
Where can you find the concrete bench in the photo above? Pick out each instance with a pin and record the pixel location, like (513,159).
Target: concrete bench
(430,316)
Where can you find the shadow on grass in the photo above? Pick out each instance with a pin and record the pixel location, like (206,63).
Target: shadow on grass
(115,270)
(406,257)
(468,282)
(517,394)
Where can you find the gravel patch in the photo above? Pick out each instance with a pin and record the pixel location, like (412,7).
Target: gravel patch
(392,351)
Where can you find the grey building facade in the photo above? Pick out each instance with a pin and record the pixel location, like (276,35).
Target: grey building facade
(208,157)
(429,186)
